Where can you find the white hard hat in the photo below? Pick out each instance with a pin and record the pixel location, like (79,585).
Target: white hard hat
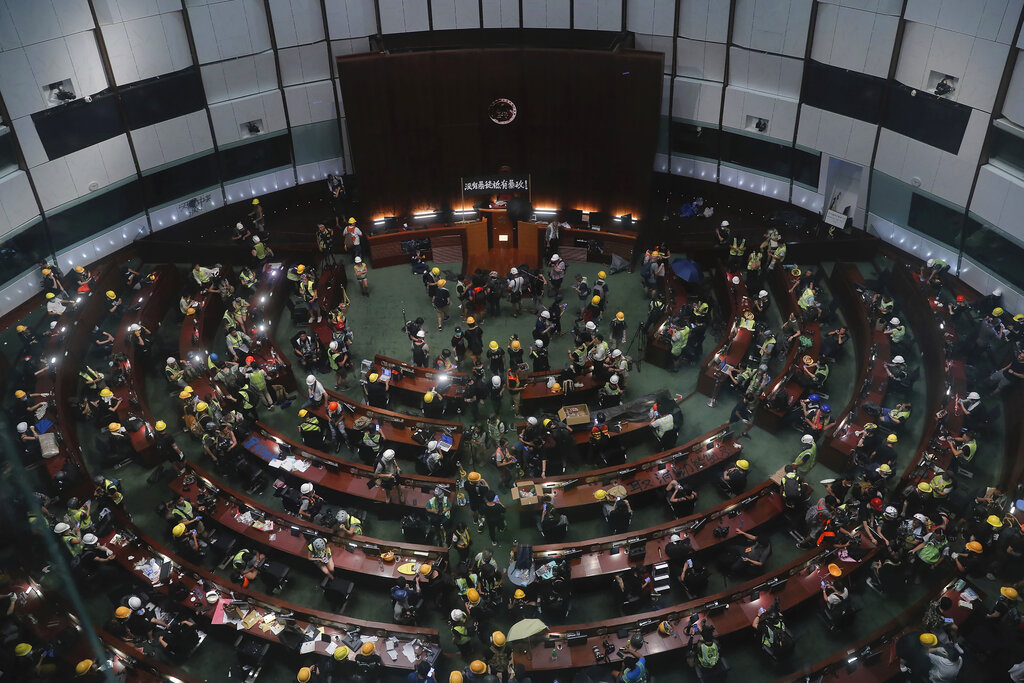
(170,360)
(333,346)
(930,262)
(90,539)
(898,360)
(554,257)
(974,396)
(894,321)
(725,224)
(591,325)
(358,260)
(239,225)
(997,291)
(616,353)
(762,294)
(921,518)
(342,516)
(545,314)
(310,380)
(431,445)
(134,327)
(735,279)
(807,439)
(676,537)
(514,271)
(539,343)
(388,455)
(53,324)
(255,239)
(421,334)
(614,379)
(531,420)
(457,615)
(134,602)
(22,427)
(306,488)
(61,528)
(495,381)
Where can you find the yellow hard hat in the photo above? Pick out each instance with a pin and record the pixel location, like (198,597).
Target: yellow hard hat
(834,570)
(498,638)
(373,377)
(620,316)
(871,426)
(993,520)
(924,487)
(997,311)
(516,345)
(884,467)
(595,300)
(547,421)
(474,476)
(600,494)
(160,425)
(184,395)
(471,320)
(351,220)
(50,295)
(83,667)
(22,649)
(743,465)
(602,274)
(519,594)
(20,328)
(114,426)
(106,393)
(892,438)
(341,653)
(19,394)
(442,282)
(974,547)
(929,639)
(305,673)
(477,666)
(1008,592)
(367,648)
(425,569)
(79,269)
(303,413)
(255,202)
(428,397)
(46,271)
(111,295)
(556,388)
(655,254)
(435,271)
(123,612)
(493,345)
(301,268)
(455,677)
(665,628)
(178,530)
(190,311)
(473,596)
(201,406)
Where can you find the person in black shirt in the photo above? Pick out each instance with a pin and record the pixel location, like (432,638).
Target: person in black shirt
(166,448)
(369,664)
(678,550)
(376,390)
(474,339)
(307,349)
(180,639)
(459,345)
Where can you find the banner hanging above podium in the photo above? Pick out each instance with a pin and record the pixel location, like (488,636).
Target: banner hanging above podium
(489,184)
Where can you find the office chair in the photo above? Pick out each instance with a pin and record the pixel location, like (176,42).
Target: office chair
(337,592)
(250,653)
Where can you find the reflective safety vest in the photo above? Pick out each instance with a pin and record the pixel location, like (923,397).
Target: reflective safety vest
(462,539)
(655,305)
(81,517)
(110,488)
(898,333)
(768,637)
(90,375)
(439,506)
(308,290)
(806,458)
(754,261)
(173,372)
(309,425)
(332,359)
(463,584)
(578,355)
(261,250)
(612,389)
(969,449)
(899,415)
(460,634)
(73,548)
(372,440)
(354,525)
(779,253)
(248,278)
(806,299)
(321,554)
(680,338)
(738,248)
(360,271)
(258,378)
(746,324)
(183,510)
(821,372)
(241,558)
(708,654)
(247,403)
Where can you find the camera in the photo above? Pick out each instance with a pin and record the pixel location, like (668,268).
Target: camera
(598,655)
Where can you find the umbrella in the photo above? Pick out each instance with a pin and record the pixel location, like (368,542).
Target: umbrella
(687,270)
(521,630)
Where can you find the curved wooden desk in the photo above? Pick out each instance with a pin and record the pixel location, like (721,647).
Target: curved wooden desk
(356,554)
(735,343)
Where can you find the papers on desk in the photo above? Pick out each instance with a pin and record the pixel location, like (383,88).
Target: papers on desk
(307,647)
(969,594)
(150,569)
(290,464)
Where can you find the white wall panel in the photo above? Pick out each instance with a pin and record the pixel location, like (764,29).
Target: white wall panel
(304,64)
(704,20)
(697,100)
(351,18)
(778,26)
(228,116)
(501,13)
(22,94)
(1013,106)
(990,194)
(654,17)
(239,77)
(700,59)
(779,112)
(662,44)
(296,22)
(454,14)
(74,16)
(9,38)
(836,135)
(35,21)
(231,28)
(585,14)
(765,73)
(119,11)
(854,39)
(147,47)
(17,204)
(54,184)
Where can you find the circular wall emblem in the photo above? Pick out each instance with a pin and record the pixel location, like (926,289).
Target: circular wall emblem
(502,111)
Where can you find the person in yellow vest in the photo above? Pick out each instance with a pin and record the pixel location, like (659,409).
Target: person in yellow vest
(736,251)
(320,554)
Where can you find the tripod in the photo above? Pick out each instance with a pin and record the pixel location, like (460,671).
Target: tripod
(639,338)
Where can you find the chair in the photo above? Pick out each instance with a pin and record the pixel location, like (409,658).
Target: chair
(337,592)
(250,653)
(274,575)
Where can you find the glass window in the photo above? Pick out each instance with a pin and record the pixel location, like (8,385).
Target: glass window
(316,142)
(23,249)
(253,158)
(1008,149)
(806,167)
(937,221)
(695,141)
(995,251)
(180,180)
(77,221)
(757,154)
(8,159)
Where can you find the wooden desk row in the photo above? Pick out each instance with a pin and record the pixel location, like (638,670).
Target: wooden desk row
(735,343)
(594,558)
(768,418)
(356,554)
(644,476)
(730,612)
(873,353)
(411,382)
(658,352)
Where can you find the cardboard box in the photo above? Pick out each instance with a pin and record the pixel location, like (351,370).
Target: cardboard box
(575,414)
(526,493)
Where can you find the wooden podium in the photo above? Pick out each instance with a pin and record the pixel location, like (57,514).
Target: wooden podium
(501,230)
